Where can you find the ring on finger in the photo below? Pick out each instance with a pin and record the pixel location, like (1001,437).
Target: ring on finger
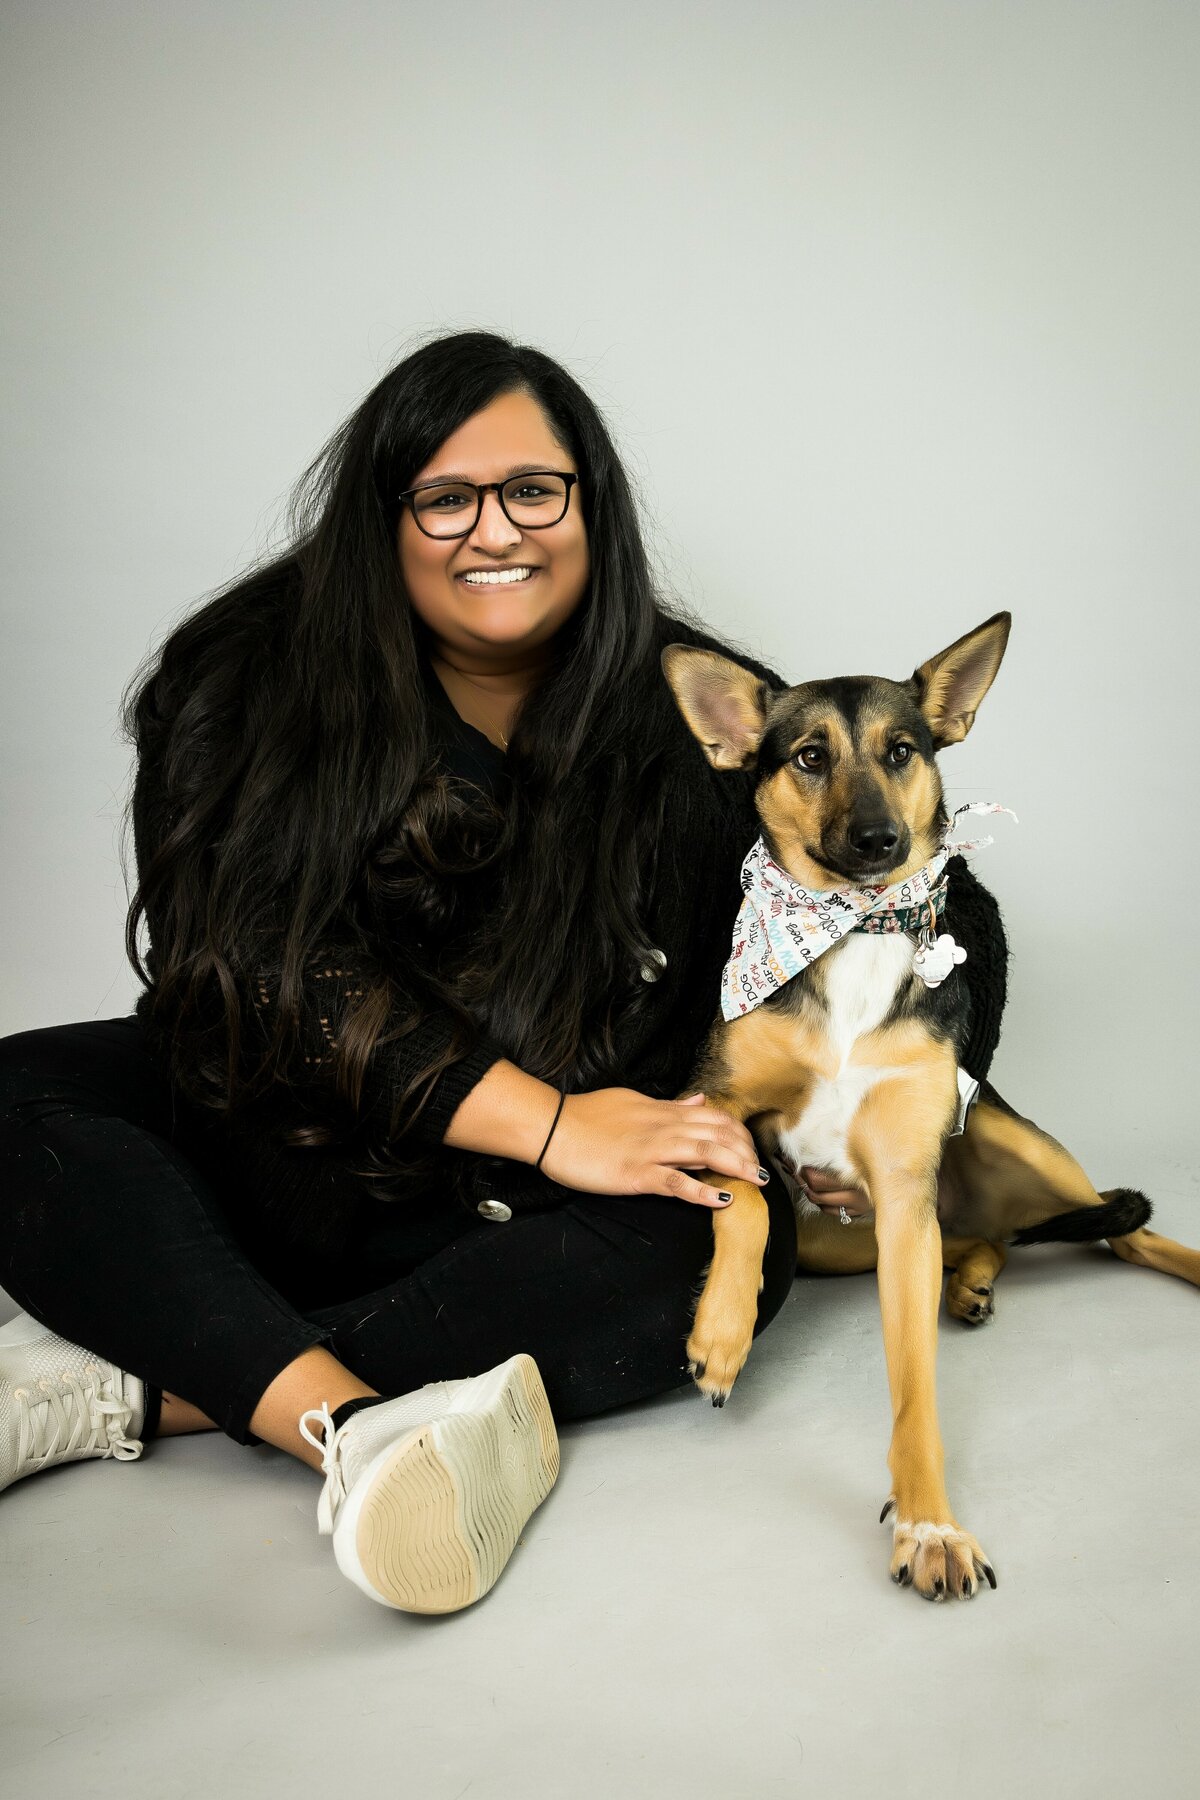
(844,1216)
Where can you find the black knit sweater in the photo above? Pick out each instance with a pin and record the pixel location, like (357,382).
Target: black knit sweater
(305,1203)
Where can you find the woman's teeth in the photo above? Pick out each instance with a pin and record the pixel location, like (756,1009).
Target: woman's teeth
(483,577)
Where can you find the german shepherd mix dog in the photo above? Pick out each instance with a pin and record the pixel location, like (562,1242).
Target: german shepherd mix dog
(851,1063)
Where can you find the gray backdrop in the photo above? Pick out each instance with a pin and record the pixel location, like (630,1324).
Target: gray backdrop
(925,274)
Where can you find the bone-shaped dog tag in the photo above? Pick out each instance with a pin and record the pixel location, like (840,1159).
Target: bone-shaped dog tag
(937,958)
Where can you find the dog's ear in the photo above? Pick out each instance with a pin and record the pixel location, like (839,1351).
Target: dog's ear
(950,687)
(724,704)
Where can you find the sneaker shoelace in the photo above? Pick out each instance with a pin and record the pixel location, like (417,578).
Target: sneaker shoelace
(68,1418)
(334,1491)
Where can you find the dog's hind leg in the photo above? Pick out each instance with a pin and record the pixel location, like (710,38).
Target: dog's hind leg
(826,1247)
(974,1264)
(1150,1251)
(1025,1188)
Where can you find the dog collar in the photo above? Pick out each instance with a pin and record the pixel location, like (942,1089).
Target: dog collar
(921,917)
(782,927)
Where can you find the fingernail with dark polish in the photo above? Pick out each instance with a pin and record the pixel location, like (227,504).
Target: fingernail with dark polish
(724,1198)
(764,1175)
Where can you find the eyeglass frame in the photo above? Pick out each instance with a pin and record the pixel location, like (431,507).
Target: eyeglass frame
(568,476)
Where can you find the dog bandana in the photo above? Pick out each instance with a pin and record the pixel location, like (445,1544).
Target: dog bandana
(782,928)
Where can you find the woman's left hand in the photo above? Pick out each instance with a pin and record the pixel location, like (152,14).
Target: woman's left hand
(828,1192)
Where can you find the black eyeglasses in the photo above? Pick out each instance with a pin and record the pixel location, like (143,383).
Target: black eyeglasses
(451,509)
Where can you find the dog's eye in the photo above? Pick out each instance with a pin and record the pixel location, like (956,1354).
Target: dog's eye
(811,757)
(899,754)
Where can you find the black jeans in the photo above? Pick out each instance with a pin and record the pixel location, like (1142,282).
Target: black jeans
(120,1233)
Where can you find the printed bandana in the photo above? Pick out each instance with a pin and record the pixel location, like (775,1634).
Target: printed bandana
(782,928)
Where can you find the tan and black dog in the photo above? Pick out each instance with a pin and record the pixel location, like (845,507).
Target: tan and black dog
(852,1064)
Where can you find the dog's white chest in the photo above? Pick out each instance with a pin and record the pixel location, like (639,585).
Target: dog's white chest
(863,976)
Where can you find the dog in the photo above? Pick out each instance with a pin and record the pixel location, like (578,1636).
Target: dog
(851,1063)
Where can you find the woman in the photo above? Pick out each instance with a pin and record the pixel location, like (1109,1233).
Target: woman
(388,1167)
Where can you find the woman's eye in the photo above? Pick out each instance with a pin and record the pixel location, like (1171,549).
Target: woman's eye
(811,757)
(899,754)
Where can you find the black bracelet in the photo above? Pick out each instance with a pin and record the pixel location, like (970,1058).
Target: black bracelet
(562,1099)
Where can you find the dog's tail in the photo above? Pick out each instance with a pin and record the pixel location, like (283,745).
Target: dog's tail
(1121,1211)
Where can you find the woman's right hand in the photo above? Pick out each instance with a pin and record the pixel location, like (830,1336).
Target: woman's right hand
(617,1141)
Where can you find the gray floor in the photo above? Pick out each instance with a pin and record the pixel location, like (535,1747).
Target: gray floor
(701,1608)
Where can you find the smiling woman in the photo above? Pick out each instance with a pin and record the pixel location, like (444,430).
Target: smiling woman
(438,889)
(491,594)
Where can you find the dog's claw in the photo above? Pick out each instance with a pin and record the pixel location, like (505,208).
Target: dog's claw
(991,1574)
(719,1399)
(887,1507)
(940,1560)
(973,1306)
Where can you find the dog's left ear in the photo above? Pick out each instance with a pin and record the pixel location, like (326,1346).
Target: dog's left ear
(724,704)
(950,686)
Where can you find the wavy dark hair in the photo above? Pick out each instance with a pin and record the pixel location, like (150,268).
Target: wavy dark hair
(288,724)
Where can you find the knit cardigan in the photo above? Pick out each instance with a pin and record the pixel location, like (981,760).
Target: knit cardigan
(306,1203)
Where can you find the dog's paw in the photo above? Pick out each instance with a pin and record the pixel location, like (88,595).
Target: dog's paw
(974,1305)
(941,1561)
(717,1354)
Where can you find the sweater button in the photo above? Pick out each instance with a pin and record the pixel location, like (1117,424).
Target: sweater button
(494,1209)
(654,965)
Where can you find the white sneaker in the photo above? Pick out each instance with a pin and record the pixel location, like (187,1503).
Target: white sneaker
(425,1495)
(59,1403)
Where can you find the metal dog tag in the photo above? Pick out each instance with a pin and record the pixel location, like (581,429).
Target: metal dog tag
(937,957)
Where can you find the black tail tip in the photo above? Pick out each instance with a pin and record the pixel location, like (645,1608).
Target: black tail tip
(1121,1211)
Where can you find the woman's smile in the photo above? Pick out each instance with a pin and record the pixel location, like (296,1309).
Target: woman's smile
(519,576)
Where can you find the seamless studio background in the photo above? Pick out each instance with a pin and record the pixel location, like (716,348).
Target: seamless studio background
(892,309)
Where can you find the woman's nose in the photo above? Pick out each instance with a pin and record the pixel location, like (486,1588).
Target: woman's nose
(494,529)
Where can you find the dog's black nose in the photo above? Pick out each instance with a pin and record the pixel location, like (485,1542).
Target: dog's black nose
(873,842)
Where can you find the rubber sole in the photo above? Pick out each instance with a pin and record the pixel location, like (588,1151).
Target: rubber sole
(431,1523)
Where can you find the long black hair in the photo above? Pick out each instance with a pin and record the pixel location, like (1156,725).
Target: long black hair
(286,727)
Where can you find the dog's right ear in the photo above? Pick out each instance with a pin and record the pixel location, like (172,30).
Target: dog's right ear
(950,687)
(724,704)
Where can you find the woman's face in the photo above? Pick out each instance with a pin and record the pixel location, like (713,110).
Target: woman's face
(490,621)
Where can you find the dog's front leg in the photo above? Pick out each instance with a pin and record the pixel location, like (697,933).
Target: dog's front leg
(897,1141)
(722,1330)
(727,1312)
